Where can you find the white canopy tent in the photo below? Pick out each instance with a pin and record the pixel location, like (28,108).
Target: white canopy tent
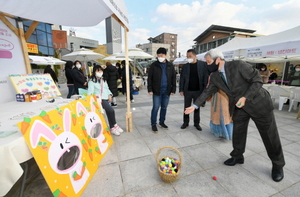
(241,48)
(41,60)
(180,60)
(64,13)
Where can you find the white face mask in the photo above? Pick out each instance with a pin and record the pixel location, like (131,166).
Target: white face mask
(297,69)
(190,60)
(99,75)
(263,69)
(161,59)
(78,66)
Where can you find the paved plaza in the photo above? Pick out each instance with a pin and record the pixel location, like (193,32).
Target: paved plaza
(129,167)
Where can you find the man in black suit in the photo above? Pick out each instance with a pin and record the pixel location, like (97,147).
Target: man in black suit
(193,80)
(247,99)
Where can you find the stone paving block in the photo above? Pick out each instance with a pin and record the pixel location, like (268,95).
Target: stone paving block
(291,136)
(240,182)
(261,168)
(132,149)
(206,155)
(293,148)
(146,130)
(292,191)
(139,173)
(186,138)
(254,144)
(158,141)
(277,195)
(135,134)
(205,134)
(111,156)
(200,184)
(105,182)
(162,190)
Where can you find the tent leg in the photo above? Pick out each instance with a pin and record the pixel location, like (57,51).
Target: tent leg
(24,47)
(128,114)
(283,73)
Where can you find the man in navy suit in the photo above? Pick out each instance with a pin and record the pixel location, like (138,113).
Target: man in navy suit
(247,99)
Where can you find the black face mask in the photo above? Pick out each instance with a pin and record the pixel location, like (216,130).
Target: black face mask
(213,67)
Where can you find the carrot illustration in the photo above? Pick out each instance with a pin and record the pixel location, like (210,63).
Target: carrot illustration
(91,154)
(104,141)
(74,119)
(85,146)
(107,130)
(96,105)
(45,116)
(58,193)
(98,150)
(59,111)
(90,140)
(84,131)
(25,124)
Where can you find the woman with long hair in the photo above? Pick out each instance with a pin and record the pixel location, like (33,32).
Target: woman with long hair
(98,86)
(70,81)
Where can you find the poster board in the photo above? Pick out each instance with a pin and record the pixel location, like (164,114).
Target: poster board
(30,82)
(68,144)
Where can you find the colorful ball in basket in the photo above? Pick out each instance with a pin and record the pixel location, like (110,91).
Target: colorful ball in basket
(169,167)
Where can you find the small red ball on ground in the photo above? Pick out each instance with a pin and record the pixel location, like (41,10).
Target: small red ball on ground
(214,178)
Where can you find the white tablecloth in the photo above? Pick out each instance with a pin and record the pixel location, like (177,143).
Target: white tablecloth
(13,149)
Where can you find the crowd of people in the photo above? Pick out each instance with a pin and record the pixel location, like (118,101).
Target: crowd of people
(234,90)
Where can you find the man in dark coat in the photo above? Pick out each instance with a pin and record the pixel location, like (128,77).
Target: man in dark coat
(161,84)
(247,99)
(193,80)
(111,75)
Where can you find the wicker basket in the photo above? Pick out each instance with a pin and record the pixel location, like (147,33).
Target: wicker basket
(169,178)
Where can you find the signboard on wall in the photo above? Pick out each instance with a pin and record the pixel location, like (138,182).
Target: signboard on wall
(113,36)
(11,61)
(32,48)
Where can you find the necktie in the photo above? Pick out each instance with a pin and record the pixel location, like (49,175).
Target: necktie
(223,78)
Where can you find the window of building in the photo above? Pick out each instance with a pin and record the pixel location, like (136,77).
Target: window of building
(42,36)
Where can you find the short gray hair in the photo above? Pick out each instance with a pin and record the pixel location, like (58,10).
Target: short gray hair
(214,54)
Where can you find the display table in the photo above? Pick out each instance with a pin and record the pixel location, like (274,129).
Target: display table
(13,148)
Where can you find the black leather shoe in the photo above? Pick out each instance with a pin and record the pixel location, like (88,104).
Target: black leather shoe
(184,125)
(198,127)
(232,161)
(277,175)
(154,128)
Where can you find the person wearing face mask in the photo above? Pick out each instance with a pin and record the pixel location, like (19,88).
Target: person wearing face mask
(294,76)
(247,100)
(193,80)
(78,77)
(161,84)
(98,86)
(264,73)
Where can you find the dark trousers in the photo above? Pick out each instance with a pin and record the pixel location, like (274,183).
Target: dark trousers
(267,128)
(110,113)
(160,101)
(71,90)
(189,98)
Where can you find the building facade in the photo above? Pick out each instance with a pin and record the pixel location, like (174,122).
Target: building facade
(217,35)
(151,48)
(168,38)
(41,37)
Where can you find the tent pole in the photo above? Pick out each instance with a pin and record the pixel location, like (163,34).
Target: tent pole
(129,113)
(283,73)
(24,47)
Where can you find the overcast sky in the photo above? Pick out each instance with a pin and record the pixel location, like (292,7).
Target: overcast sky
(189,18)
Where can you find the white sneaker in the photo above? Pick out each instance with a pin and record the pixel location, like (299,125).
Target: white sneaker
(114,131)
(119,128)
(132,101)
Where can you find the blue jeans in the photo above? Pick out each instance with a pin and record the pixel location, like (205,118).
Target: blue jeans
(161,102)
(71,91)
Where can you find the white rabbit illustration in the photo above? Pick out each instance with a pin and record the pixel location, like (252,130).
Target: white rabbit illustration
(93,124)
(65,151)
